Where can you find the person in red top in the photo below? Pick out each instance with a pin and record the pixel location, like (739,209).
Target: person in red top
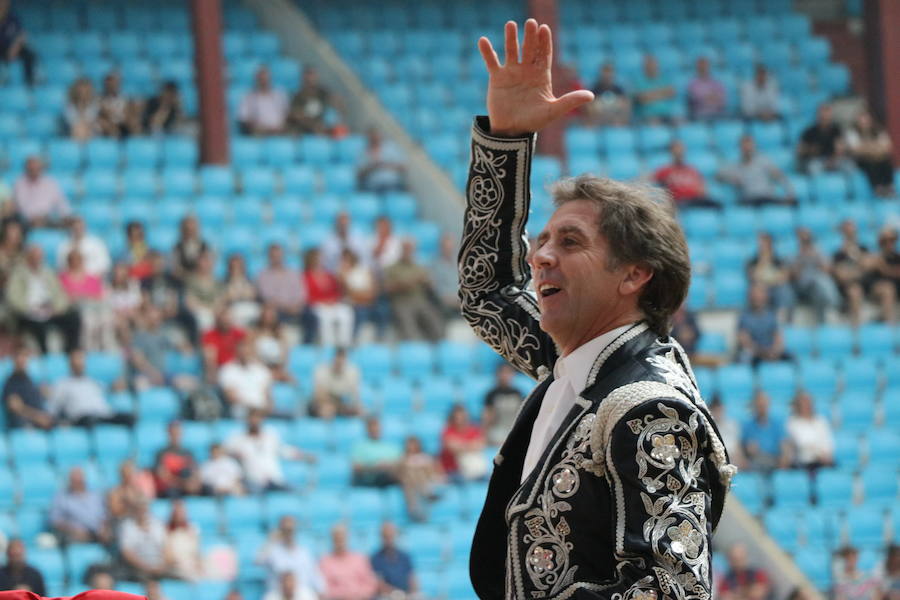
(220,342)
(325,297)
(684,182)
(176,471)
(742,580)
(462,447)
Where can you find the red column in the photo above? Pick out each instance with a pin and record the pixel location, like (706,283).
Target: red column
(550,141)
(208,65)
(882,41)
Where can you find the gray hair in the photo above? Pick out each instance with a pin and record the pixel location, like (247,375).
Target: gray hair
(640,228)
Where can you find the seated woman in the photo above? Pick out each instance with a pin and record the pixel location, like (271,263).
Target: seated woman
(87,292)
(326,298)
(870,146)
(182,547)
(272,344)
(810,434)
(463,444)
(82,111)
(239,293)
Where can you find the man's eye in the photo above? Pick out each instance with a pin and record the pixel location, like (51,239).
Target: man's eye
(569,242)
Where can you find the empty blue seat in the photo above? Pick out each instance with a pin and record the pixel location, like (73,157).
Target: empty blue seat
(819,377)
(884,447)
(815,564)
(39,484)
(582,140)
(142,152)
(157,405)
(81,556)
(834,341)
(616,140)
(730,289)
(880,485)
(791,489)
(830,188)
(315,150)
(103,153)
(798,340)
(834,488)
(100,183)
(866,526)
(112,443)
(70,447)
(64,155)
(861,374)
(105,367)
(783,524)
(258,181)
(777,378)
(735,382)
(29,447)
(333,472)
(748,487)
(141,182)
(877,339)
(179,182)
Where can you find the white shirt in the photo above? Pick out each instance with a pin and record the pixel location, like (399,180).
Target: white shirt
(264,109)
(811,437)
(570,375)
(75,397)
(260,455)
(41,197)
(249,383)
(92,250)
(221,474)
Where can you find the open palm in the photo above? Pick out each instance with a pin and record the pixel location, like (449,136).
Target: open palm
(520,92)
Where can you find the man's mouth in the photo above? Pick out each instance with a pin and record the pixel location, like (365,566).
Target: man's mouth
(547,289)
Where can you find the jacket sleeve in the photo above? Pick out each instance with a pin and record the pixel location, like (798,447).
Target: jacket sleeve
(493,272)
(660,475)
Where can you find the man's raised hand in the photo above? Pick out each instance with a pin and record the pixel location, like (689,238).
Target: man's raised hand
(520,96)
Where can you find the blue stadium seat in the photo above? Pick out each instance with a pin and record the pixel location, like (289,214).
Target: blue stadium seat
(30,447)
(258,181)
(157,405)
(735,383)
(834,488)
(40,484)
(100,183)
(397,396)
(880,486)
(339,179)
(783,524)
(877,339)
(834,341)
(279,151)
(777,378)
(140,182)
(70,447)
(81,556)
(815,563)
(315,150)
(64,155)
(790,489)
(856,410)
(51,563)
(179,182)
(150,437)
(105,367)
(112,443)
(242,513)
(582,140)
(884,447)
(730,289)
(748,487)
(830,189)
(866,526)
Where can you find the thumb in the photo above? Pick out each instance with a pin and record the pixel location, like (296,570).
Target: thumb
(571,101)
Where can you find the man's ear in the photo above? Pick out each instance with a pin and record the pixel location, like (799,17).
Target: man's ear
(635,278)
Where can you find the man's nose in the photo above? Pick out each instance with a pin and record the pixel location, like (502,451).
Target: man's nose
(543,257)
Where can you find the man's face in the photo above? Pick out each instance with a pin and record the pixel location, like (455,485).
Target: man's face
(737,557)
(276,256)
(76,362)
(761,405)
(287,527)
(703,67)
(848,229)
(677,151)
(175,434)
(15,553)
(21,360)
(388,535)
(254,421)
(651,67)
(825,114)
(373,429)
(76,480)
(607,73)
(244,351)
(339,539)
(408,251)
(34,167)
(505,375)
(748,147)
(574,287)
(263,79)
(112,83)
(34,257)
(342,224)
(78,228)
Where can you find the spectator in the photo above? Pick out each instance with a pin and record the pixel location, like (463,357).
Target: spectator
(756,178)
(419,475)
(408,286)
(821,146)
(118,117)
(239,294)
(336,388)
(326,300)
(182,548)
(39,200)
(383,168)
(809,434)
(445,276)
(78,514)
(23,399)
(220,342)
(272,344)
(686,330)
(742,580)
(264,110)
(37,300)
(14,44)
(189,248)
(147,354)
(812,276)
(850,266)
(282,554)
(78,399)
(462,447)
(221,474)
(282,287)
(153,590)
(361,289)
(766,444)
(99,576)
(138,254)
(890,584)
(348,575)
(288,590)
(375,460)
(870,146)
(175,468)
(760,96)
(17,574)
(343,237)
(885,273)
(851,582)
(767,269)
(260,450)
(730,430)
(611,105)
(12,242)
(163,291)
(142,544)
(682,181)
(393,566)
(759,336)
(706,94)
(93,249)
(164,113)
(202,291)
(135,488)
(124,299)
(310,105)
(386,247)
(86,292)
(81,114)
(246,383)
(501,405)
(654,94)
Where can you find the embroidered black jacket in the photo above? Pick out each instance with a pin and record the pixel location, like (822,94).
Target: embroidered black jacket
(625,498)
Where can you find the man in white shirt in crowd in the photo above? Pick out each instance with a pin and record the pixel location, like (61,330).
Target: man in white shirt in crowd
(221,475)
(92,249)
(142,541)
(80,400)
(282,554)
(263,110)
(245,381)
(336,388)
(343,237)
(260,450)
(39,199)
(760,98)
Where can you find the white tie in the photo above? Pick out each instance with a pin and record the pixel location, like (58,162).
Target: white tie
(554,407)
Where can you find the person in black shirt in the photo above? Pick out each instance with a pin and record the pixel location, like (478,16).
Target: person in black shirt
(822,146)
(164,112)
(309,106)
(850,264)
(885,271)
(501,405)
(611,105)
(24,403)
(13,42)
(16,574)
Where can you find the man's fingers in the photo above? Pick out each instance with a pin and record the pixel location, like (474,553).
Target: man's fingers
(529,43)
(488,54)
(570,102)
(545,45)
(512,44)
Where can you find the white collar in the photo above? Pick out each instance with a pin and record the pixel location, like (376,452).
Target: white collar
(576,366)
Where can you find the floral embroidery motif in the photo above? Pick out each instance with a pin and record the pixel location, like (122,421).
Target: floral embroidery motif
(564,482)
(541,560)
(664,449)
(685,539)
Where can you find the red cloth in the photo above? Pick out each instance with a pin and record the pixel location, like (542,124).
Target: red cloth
(224,342)
(89,595)
(468,434)
(683,182)
(321,287)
